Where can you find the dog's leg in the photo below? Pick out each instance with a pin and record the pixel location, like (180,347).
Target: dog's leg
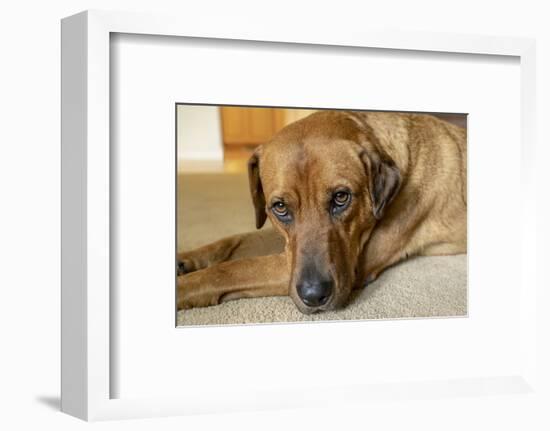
(242,278)
(207,255)
(388,247)
(259,243)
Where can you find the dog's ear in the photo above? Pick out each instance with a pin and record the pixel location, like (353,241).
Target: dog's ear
(256,190)
(384,181)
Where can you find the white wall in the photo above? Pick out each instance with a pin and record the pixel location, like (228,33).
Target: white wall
(30,190)
(199,133)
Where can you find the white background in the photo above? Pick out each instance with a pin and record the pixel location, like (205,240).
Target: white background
(29,225)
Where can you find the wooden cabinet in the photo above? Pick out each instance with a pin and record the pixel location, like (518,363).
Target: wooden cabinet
(250,126)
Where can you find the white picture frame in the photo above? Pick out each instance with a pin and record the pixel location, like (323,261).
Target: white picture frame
(87,314)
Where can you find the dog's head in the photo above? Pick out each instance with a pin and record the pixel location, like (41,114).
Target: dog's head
(323,182)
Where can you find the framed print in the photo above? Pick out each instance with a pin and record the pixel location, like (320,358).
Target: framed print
(180,143)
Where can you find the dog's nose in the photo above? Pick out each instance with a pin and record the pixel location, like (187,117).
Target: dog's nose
(314,293)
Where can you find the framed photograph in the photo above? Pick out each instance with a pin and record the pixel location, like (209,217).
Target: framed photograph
(320,203)
(267,218)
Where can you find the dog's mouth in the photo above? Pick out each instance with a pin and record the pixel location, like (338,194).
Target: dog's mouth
(309,310)
(334,302)
(306,309)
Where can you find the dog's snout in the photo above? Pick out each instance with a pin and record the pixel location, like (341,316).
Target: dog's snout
(315,293)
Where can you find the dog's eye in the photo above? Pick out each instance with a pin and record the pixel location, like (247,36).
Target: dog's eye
(340,201)
(280,209)
(341,198)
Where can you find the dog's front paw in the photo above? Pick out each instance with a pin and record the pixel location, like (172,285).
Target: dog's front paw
(187,302)
(184,267)
(192,293)
(186,264)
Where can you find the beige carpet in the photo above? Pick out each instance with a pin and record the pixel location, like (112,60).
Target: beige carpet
(211,206)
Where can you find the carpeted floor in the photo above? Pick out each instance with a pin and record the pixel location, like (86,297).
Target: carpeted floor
(211,206)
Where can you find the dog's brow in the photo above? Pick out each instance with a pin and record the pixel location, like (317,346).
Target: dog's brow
(341,184)
(287,196)
(280,196)
(277,198)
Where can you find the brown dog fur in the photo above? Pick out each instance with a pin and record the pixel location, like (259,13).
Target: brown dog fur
(405,178)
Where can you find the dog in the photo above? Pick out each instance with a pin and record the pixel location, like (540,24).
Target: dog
(348,194)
